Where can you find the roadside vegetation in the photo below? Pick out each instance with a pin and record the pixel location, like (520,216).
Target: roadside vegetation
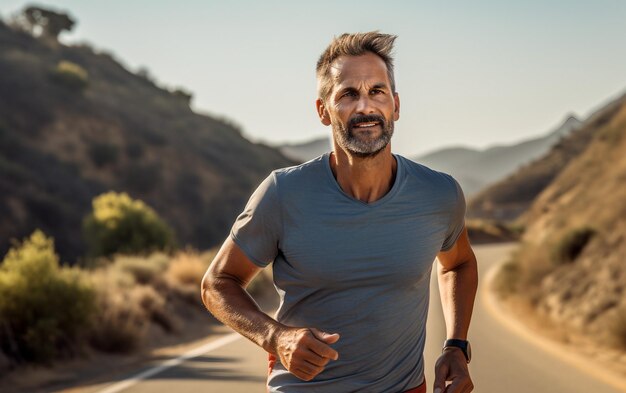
(134,283)
(543,277)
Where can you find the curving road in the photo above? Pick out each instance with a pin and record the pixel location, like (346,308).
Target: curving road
(503,361)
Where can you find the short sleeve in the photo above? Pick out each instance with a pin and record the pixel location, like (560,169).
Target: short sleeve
(457,218)
(257,229)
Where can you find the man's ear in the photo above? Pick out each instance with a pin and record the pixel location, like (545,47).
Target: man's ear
(322,112)
(396,111)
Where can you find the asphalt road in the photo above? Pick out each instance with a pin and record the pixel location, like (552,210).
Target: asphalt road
(503,361)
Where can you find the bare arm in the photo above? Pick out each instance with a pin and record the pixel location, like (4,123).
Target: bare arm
(303,351)
(224,295)
(457,272)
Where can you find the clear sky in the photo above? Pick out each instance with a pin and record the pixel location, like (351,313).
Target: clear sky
(472,73)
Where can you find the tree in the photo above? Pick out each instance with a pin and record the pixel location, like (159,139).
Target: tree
(119,224)
(46,23)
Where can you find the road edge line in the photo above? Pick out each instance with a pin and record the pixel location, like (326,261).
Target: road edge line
(208,347)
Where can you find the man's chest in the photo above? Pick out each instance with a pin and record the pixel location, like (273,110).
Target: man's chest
(358,246)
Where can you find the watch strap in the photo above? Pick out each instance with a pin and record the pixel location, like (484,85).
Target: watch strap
(461,344)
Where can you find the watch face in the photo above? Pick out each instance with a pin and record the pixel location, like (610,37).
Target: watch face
(468,352)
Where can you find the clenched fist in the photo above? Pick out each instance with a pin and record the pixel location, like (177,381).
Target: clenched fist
(305,351)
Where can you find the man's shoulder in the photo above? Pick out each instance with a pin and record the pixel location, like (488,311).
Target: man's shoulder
(424,174)
(307,169)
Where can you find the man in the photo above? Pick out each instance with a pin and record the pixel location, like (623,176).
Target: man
(352,236)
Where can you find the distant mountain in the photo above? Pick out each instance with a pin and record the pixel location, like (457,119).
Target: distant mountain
(571,264)
(75,123)
(512,196)
(307,150)
(475,169)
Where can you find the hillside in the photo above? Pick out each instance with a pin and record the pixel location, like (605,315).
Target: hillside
(75,123)
(307,150)
(571,265)
(509,198)
(475,169)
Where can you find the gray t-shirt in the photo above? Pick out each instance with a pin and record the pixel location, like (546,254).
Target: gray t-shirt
(358,269)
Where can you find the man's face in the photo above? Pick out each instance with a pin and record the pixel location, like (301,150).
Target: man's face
(361,107)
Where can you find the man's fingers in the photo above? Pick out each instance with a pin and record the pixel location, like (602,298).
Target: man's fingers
(316,359)
(306,371)
(323,350)
(325,337)
(460,385)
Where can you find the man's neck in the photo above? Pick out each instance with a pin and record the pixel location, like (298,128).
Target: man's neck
(366,179)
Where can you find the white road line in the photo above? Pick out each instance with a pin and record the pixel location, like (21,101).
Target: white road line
(213,345)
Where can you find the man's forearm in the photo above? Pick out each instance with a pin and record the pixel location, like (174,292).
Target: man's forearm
(229,302)
(457,288)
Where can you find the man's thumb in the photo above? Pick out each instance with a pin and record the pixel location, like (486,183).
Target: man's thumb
(325,337)
(441,372)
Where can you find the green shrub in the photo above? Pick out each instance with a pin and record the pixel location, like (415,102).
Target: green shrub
(70,75)
(44,309)
(571,245)
(119,224)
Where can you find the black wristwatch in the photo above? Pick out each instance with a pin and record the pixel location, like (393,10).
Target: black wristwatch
(463,345)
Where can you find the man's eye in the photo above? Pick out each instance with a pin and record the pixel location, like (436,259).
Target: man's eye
(349,94)
(376,91)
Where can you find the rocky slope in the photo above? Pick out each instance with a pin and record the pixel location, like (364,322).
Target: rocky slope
(509,198)
(572,265)
(75,123)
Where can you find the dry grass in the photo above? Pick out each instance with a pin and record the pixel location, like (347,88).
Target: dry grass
(132,294)
(154,307)
(120,324)
(186,268)
(617,328)
(506,281)
(145,270)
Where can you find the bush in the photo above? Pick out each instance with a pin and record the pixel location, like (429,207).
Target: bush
(44,309)
(153,305)
(571,245)
(144,270)
(187,269)
(70,75)
(120,324)
(119,224)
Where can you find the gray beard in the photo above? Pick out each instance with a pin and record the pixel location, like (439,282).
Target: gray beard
(346,139)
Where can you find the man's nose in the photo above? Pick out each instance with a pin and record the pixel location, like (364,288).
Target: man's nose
(364,105)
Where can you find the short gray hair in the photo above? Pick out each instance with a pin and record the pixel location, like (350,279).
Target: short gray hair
(356,44)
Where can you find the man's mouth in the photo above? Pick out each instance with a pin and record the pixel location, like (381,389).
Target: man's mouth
(365,125)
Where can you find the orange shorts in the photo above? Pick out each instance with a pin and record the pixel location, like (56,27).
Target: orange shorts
(419,389)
